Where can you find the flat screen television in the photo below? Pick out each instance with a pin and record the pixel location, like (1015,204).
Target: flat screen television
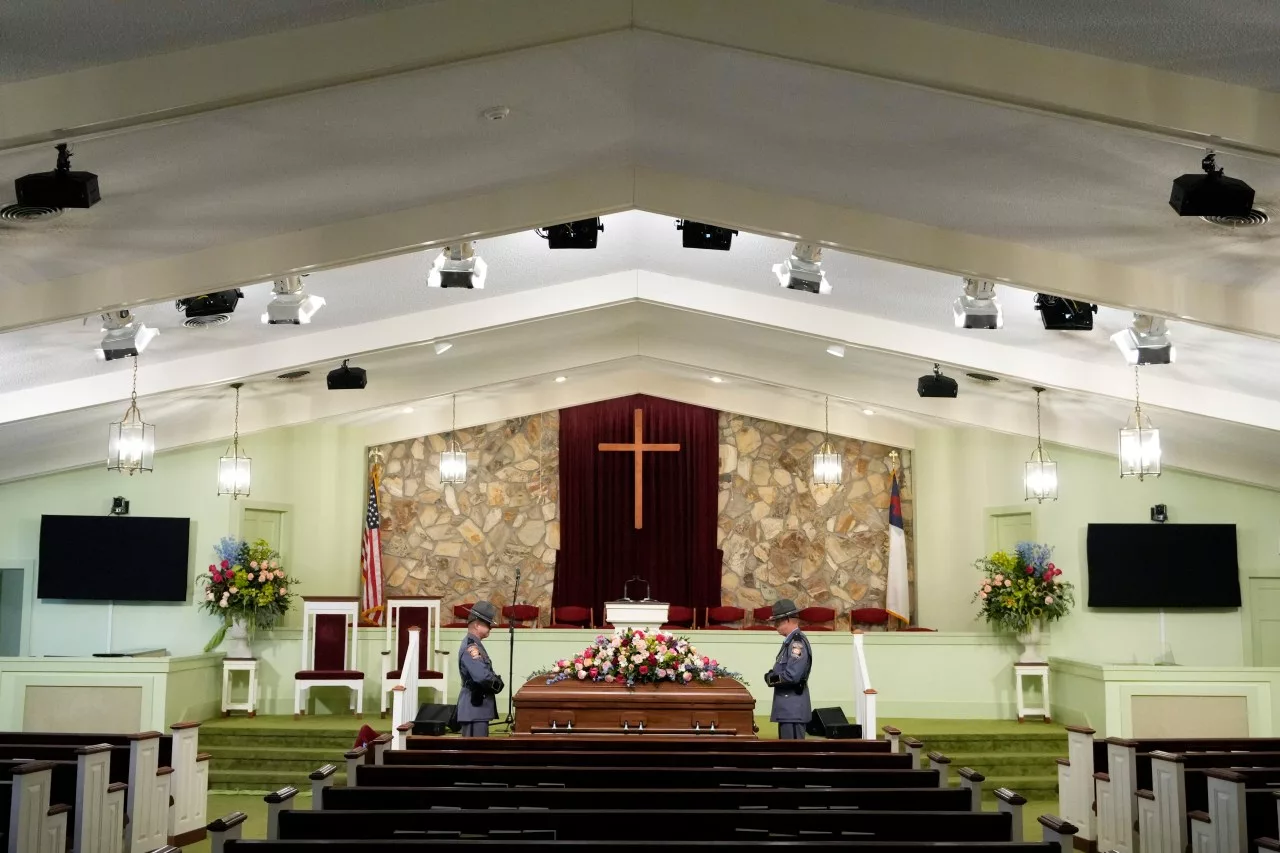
(1163,565)
(113,558)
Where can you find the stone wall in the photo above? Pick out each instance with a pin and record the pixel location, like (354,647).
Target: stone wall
(782,537)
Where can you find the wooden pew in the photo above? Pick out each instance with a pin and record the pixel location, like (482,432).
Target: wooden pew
(97,796)
(1212,786)
(592,758)
(617,743)
(400,776)
(36,822)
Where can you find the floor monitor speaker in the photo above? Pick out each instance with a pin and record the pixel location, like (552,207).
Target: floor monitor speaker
(832,723)
(435,720)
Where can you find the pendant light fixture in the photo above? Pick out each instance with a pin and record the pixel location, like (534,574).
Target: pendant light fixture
(1139,441)
(131,442)
(826,462)
(453,462)
(234,468)
(1041,477)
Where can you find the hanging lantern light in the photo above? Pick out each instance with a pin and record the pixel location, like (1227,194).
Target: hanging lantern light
(234,469)
(1041,478)
(1139,441)
(453,462)
(131,442)
(826,462)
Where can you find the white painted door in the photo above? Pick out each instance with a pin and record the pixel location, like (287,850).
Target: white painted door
(1264,614)
(265,524)
(1011,529)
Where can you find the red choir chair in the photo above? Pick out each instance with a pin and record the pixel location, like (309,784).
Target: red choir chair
(680,617)
(817,619)
(722,618)
(421,612)
(918,629)
(761,619)
(460,612)
(572,616)
(518,614)
(867,617)
(329,652)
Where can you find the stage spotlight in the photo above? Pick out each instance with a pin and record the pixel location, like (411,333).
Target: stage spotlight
(977,307)
(458,266)
(59,188)
(579,234)
(803,270)
(289,305)
(123,336)
(347,378)
(699,235)
(1211,194)
(1146,341)
(211,304)
(1061,314)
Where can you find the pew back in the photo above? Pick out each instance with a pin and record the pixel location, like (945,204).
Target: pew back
(657,778)
(585,758)
(643,742)
(633,846)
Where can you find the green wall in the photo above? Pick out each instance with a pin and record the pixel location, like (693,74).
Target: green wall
(961,473)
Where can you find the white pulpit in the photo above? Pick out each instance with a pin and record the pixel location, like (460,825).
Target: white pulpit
(636,614)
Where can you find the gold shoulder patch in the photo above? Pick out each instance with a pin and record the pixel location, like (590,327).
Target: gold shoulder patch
(797,650)
(474,651)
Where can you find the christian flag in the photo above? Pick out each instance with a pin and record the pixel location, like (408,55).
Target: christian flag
(898,598)
(371,555)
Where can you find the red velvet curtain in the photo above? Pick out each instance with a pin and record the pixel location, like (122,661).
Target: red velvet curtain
(600,548)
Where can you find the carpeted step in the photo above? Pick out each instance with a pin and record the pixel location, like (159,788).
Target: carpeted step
(1051,741)
(291,759)
(1006,763)
(213,739)
(265,780)
(1031,787)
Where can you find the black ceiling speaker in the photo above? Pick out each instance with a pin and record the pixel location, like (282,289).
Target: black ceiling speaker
(937,385)
(211,304)
(1065,314)
(347,378)
(59,188)
(1211,194)
(579,234)
(699,235)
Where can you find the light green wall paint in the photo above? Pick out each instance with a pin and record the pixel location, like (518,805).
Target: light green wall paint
(960,473)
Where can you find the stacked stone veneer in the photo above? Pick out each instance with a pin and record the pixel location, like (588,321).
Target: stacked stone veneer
(782,537)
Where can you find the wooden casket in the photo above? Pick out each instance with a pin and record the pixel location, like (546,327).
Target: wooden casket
(723,707)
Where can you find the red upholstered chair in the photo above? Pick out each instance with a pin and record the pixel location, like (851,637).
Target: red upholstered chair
(721,618)
(680,617)
(761,619)
(329,650)
(866,617)
(518,614)
(460,612)
(572,616)
(817,619)
(421,612)
(918,629)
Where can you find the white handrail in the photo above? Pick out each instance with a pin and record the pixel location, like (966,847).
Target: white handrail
(404,696)
(864,693)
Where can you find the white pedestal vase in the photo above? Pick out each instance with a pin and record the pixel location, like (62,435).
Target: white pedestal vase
(236,641)
(1030,640)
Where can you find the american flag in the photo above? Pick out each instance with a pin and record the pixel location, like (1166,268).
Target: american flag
(898,594)
(371,554)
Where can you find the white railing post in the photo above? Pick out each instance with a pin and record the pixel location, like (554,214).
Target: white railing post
(864,693)
(404,695)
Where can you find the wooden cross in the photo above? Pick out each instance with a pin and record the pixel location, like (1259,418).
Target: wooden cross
(638,447)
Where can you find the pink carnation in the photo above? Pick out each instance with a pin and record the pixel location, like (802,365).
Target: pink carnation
(582,674)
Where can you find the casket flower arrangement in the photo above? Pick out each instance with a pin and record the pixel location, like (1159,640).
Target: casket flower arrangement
(246,584)
(1020,589)
(632,656)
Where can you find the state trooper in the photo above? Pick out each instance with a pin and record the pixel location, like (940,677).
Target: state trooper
(480,684)
(789,677)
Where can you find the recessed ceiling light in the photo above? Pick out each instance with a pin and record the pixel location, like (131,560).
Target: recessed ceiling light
(442,347)
(868,412)
(407,410)
(562,378)
(496,113)
(837,350)
(715,378)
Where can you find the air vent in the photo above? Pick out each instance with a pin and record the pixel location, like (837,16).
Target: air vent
(206,322)
(294,375)
(983,377)
(23,214)
(1252,219)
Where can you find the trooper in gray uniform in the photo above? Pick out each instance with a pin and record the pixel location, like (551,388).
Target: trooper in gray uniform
(789,677)
(480,684)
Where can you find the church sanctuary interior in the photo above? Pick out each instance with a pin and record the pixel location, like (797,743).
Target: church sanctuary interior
(520,425)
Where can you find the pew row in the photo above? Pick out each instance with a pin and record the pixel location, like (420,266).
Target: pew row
(618,743)
(1203,799)
(593,758)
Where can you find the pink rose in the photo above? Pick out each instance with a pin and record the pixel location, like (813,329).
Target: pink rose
(279,573)
(982,595)
(593,672)
(713,662)
(1052,567)
(232,590)
(253,564)
(688,676)
(225,565)
(275,564)
(987,588)
(581,675)
(998,578)
(1030,569)
(222,603)
(609,678)
(644,670)
(283,590)
(1008,582)
(1048,599)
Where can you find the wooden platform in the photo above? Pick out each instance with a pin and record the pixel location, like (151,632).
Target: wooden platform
(722,708)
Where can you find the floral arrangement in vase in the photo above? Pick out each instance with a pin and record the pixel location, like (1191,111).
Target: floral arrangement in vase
(1021,590)
(632,656)
(246,587)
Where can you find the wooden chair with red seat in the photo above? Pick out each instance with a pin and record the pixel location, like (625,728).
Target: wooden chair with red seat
(460,612)
(519,614)
(722,618)
(817,619)
(761,619)
(421,612)
(329,650)
(573,616)
(680,617)
(918,629)
(868,617)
